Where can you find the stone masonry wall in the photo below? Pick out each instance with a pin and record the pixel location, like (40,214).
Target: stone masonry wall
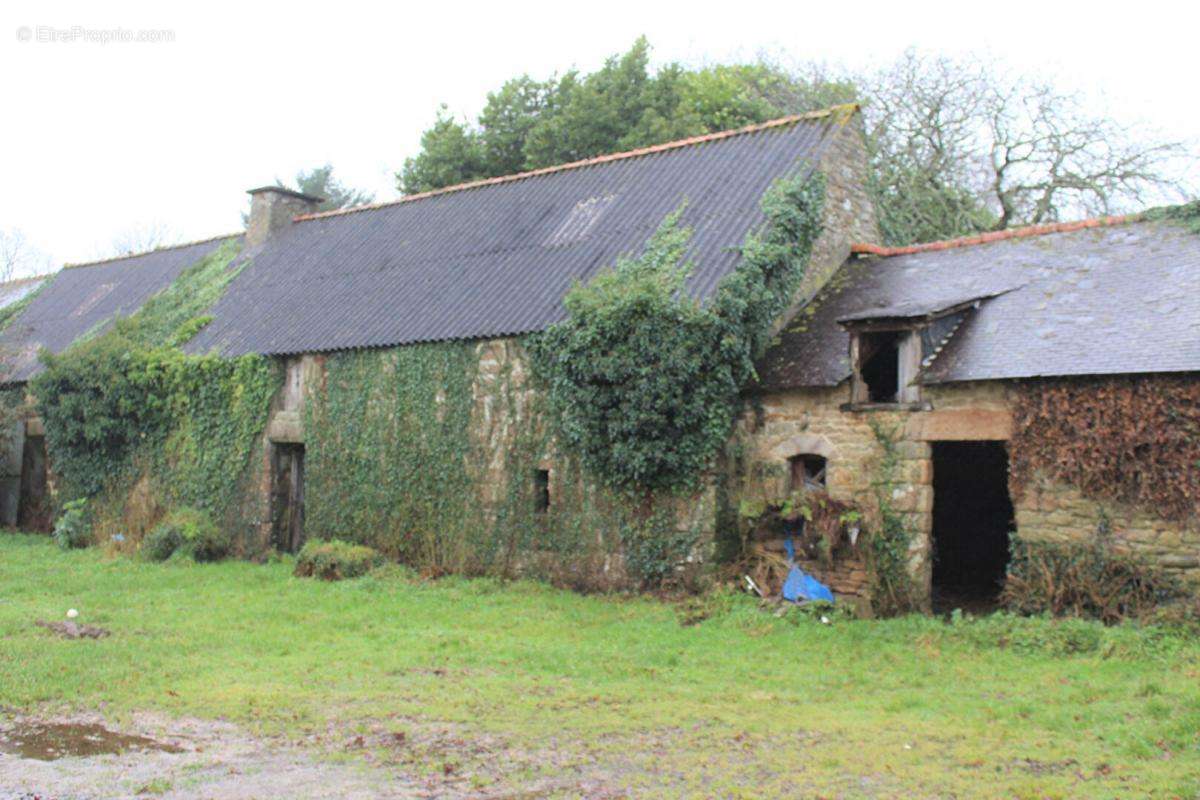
(505,409)
(799,421)
(810,421)
(848,215)
(1050,511)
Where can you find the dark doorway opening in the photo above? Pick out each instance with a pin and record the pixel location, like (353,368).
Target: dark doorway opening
(33,506)
(972,518)
(879,357)
(287,496)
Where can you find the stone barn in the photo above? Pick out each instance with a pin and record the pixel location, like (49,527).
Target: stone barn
(943,347)
(901,381)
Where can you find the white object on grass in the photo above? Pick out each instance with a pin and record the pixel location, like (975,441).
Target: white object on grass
(72,613)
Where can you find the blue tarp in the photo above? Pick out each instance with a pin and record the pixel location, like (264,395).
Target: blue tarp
(801,587)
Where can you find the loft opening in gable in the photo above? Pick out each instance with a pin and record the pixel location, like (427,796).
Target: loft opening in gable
(879,365)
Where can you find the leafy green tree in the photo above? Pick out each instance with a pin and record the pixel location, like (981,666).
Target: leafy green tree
(618,107)
(956,147)
(527,123)
(320,182)
(506,121)
(450,153)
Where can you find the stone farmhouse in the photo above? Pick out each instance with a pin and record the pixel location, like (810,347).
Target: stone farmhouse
(915,356)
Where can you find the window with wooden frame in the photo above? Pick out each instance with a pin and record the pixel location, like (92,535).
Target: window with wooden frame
(886,363)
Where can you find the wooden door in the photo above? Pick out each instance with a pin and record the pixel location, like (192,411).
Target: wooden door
(287,497)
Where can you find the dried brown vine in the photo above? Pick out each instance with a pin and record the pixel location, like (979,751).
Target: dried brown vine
(1129,439)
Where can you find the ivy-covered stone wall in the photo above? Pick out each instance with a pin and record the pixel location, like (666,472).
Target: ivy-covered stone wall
(431,454)
(136,429)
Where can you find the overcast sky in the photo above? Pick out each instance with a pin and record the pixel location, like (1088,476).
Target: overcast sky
(98,139)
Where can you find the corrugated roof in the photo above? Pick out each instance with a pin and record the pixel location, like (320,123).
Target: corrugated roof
(496,257)
(81,298)
(1081,300)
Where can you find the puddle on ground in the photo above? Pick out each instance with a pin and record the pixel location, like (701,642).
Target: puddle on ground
(49,741)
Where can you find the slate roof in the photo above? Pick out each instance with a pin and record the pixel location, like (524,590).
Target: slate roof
(495,258)
(1099,300)
(84,297)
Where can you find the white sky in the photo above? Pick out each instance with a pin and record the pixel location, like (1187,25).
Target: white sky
(97,139)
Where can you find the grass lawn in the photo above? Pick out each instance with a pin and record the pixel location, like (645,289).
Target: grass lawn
(739,705)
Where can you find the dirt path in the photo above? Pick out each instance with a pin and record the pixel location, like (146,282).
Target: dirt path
(400,757)
(209,759)
(71,758)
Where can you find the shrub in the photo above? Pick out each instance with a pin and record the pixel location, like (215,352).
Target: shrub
(100,398)
(1083,579)
(161,542)
(188,531)
(74,528)
(334,559)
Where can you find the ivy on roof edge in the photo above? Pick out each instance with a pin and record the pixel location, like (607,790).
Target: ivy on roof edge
(644,381)
(11,311)
(127,408)
(1185,214)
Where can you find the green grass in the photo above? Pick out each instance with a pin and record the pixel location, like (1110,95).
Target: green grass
(741,704)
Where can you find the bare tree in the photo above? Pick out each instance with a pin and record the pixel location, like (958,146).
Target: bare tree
(1048,155)
(140,239)
(962,147)
(19,258)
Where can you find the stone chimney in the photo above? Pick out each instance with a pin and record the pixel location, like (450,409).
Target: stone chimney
(272,209)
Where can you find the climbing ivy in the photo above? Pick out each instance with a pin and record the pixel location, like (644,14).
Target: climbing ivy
(424,455)
(128,405)
(1186,214)
(892,590)
(12,411)
(388,451)
(643,380)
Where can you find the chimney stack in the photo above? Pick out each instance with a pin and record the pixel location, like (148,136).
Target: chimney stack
(272,209)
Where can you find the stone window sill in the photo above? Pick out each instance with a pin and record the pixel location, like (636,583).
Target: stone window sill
(923,405)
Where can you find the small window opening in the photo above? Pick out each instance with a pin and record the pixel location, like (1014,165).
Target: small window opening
(541,491)
(807,471)
(879,365)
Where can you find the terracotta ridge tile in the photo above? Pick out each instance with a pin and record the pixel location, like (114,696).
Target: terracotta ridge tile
(839,113)
(1025,232)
